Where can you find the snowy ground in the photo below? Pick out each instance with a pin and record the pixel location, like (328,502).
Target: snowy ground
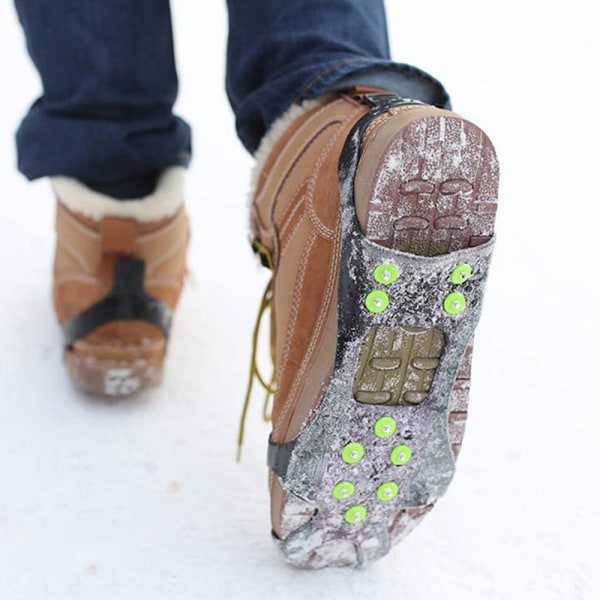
(143,500)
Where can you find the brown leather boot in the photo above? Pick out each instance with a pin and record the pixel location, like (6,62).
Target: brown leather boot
(118,272)
(377,214)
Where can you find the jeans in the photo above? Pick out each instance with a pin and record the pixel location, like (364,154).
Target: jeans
(109,77)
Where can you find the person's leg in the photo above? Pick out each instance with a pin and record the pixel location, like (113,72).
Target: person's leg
(280,53)
(104,131)
(109,84)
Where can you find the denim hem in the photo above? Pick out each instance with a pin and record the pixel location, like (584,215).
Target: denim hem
(400,78)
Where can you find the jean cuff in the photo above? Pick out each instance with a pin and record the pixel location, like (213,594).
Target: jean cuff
(402,79)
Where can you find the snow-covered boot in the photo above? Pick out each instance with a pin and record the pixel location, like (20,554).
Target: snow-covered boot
(376,215)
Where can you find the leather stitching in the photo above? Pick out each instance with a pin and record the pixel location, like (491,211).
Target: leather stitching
(291,399)
(288,218)
(293,315)
(323,229)
(289,239)
(282,158)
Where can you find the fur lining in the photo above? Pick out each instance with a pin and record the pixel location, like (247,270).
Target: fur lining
(277,129)
(163,202)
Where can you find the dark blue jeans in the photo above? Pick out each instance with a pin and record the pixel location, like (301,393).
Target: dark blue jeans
(109,77)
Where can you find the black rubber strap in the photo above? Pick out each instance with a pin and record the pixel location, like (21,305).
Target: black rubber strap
(126,300)
(278,457)
(386,101)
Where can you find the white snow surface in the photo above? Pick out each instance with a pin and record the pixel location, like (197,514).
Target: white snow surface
(143,499)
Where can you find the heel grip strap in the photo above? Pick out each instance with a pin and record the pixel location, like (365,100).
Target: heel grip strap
(127,300)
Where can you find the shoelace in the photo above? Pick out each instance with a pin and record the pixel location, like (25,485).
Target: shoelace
(255,374)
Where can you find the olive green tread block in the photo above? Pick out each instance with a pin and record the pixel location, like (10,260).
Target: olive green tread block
(397,365)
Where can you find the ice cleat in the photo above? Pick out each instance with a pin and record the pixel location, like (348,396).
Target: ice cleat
(376,214)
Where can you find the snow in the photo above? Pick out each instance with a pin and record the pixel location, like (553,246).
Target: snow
(144,499)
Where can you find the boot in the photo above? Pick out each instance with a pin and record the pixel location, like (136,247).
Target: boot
(376,214)
(118,273)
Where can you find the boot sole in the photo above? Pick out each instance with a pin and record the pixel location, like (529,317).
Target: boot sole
(116,372)
(381,447)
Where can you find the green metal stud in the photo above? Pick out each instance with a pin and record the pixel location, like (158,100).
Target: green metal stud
(377,301)
(387,491)
(454,303)
(343,490)
(400,455)
(352,453)
(355,514)
(386,274)
(461,273)
(384,427)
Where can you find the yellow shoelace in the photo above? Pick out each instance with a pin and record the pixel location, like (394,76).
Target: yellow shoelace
(255,373)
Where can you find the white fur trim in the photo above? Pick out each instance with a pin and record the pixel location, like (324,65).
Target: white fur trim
(277,129)
(163,202)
